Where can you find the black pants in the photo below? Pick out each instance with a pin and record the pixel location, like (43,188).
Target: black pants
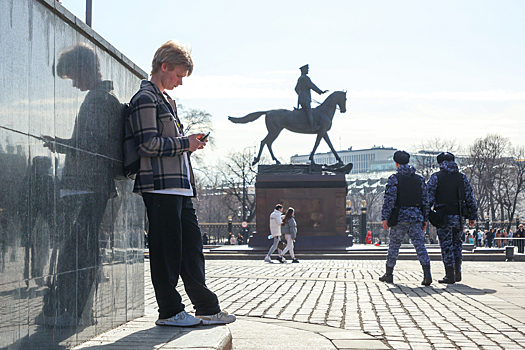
(521,244)
(175,248)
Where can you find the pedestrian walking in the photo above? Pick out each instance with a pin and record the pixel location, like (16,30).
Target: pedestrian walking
(289,230)
(275,230)
(404,212)
(490,238)
(480,238)
(498,238)
(520,241)
(451,196)
(166,182)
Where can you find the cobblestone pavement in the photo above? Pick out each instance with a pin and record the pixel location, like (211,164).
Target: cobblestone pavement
(485,311)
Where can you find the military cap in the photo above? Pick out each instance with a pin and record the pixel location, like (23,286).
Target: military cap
(401,157)
(445,156)
(304,67)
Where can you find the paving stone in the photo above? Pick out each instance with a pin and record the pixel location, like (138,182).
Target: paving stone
(360,344)
(480,312)
(349,335)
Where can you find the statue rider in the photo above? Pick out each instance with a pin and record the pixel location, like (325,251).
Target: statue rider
(303,87)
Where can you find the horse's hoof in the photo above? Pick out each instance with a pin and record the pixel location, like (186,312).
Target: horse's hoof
(277,162)
(255,161)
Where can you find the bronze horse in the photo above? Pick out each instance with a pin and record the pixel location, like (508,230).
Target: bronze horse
(297,121)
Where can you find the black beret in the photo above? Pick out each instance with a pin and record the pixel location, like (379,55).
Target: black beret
(445,156)
(401,157)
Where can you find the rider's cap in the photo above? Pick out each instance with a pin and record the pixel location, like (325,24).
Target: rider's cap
(303,67)
(445,156)
(401,157)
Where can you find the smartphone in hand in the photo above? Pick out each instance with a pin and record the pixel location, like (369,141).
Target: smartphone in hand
(202,139)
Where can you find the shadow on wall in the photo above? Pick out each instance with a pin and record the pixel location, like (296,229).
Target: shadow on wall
(86,185)
(61,222)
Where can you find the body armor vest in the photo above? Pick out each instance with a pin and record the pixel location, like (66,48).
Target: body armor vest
(408,191)
(450,190)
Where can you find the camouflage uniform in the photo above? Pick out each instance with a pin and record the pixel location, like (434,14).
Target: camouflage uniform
(450,236)
(410,219)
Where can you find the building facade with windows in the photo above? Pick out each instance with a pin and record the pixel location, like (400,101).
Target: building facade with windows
(364,160)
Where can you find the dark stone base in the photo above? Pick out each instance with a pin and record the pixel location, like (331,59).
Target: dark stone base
(310,243)
(319,202)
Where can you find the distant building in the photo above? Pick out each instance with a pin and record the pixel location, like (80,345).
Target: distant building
(377,158)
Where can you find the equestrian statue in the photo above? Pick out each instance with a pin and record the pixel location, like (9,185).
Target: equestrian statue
(304,121)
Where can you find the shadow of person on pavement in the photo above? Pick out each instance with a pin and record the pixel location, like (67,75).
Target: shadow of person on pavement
(153,337)
(450,288)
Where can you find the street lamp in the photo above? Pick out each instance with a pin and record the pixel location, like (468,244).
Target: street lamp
(230,226)
(244,194)
(88,12)
(349,215)
(363,221)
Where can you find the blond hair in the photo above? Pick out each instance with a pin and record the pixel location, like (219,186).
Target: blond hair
(173,53)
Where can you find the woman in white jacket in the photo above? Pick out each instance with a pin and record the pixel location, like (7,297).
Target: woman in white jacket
(275,230)
(289,230)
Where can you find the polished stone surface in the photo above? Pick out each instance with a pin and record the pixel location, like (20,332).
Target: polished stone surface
(71,235)
(319,203)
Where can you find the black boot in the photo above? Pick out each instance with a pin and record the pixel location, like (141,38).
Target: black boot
(427,277)
(457,270)
(449,276)
(388,277)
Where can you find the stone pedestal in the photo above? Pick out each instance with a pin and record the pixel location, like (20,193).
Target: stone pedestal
(319,201)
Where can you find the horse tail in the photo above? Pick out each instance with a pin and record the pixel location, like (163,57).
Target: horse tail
(246,119)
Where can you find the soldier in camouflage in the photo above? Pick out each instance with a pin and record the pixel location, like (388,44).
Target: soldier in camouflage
(404,212)
(444,188)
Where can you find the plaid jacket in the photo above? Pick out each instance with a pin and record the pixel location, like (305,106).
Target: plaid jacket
(160,142)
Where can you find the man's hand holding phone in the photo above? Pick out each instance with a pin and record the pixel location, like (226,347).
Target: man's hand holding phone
(197,141)
(205,137)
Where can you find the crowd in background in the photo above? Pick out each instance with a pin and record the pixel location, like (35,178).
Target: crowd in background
(495,237)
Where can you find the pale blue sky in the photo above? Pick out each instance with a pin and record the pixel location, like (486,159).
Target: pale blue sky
(413,69)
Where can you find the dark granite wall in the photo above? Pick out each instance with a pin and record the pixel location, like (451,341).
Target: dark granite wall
(71,235)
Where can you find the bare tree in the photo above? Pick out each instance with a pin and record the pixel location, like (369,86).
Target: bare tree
(487,169)
(210,203)
(424,154)
(238,177)
(512,182)
(196,121)
(371,191)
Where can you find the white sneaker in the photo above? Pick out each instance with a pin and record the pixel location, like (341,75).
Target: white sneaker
(268,260)
(182,319)
(220,318)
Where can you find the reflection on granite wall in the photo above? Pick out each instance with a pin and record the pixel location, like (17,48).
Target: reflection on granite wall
(71,233)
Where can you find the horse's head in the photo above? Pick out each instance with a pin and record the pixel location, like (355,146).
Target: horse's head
(341,101)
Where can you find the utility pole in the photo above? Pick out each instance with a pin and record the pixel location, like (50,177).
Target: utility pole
(88,12)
